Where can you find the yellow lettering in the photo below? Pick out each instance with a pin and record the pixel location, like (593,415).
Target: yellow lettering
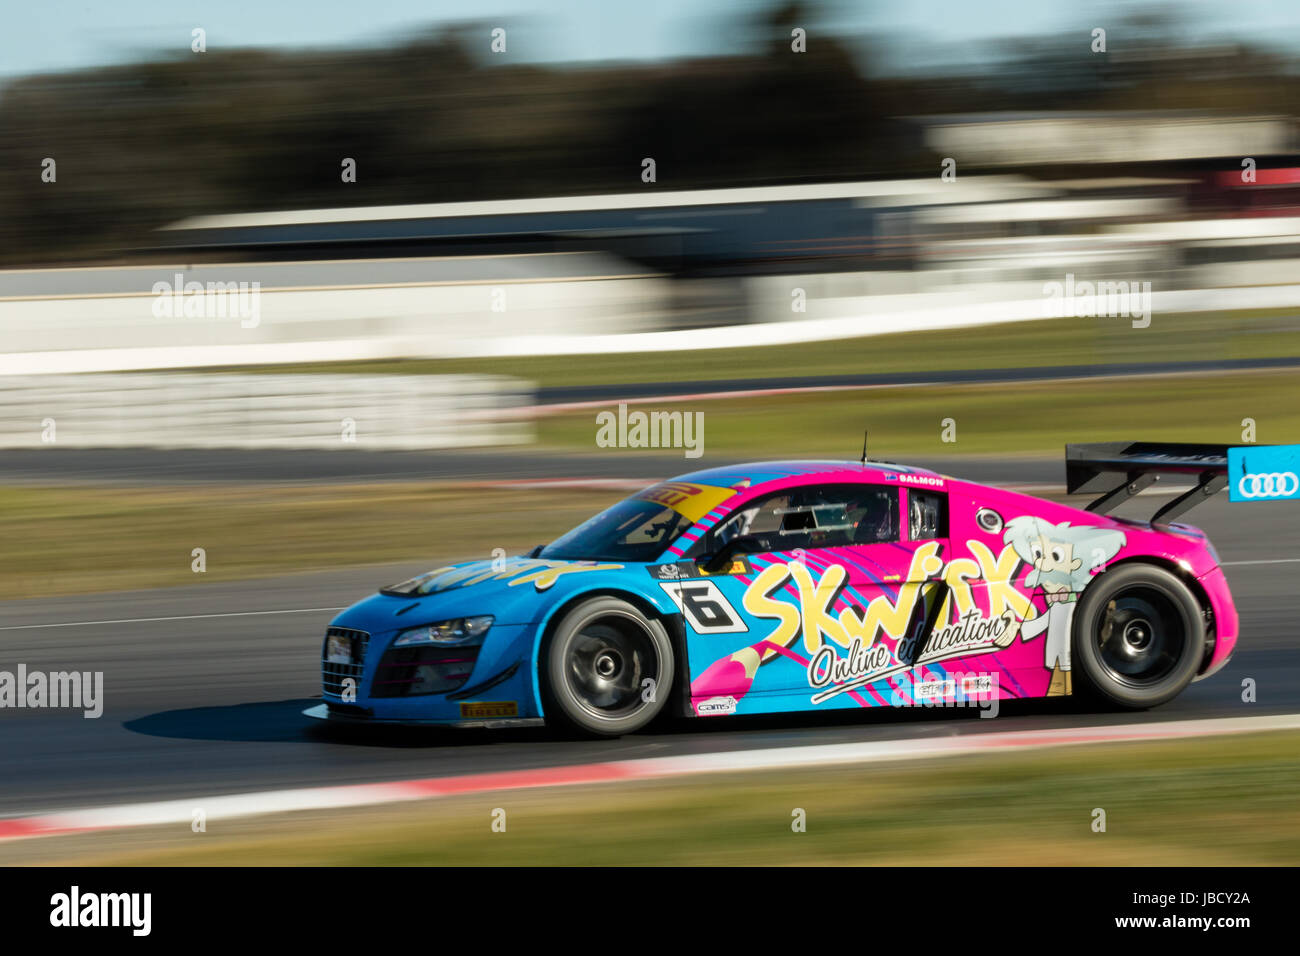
(999,577)
(759,602)
(544,579)
(955,576)
(815,600)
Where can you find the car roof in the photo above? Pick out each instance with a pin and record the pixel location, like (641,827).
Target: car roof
(754,475)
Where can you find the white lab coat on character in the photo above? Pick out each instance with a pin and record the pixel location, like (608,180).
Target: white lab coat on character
(1057,624)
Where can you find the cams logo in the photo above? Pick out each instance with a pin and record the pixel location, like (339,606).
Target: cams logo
(716,706)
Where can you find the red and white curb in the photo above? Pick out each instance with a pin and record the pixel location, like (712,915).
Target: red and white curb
(653,768)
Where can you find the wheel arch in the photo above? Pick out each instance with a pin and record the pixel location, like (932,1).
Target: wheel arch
(1193,585)
(672,622)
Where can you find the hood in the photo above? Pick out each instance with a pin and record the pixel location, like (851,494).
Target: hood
(508,589)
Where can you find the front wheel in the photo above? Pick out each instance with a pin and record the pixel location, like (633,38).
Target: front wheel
(608,669)
(1139,636)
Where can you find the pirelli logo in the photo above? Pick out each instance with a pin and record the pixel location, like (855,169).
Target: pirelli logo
(690,500)
(484,709)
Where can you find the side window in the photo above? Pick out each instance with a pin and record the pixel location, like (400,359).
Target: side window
(927,514)
(819,516)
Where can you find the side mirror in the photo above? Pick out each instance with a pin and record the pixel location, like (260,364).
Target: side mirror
(741,544)
(537,551)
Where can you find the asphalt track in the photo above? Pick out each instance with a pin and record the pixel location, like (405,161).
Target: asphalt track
(204,686)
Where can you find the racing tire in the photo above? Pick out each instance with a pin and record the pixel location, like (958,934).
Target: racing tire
(1138,636)
(596,664)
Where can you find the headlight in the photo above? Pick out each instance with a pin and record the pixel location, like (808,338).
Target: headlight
(463,630)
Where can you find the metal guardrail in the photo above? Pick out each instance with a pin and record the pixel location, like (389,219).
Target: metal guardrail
(219,410)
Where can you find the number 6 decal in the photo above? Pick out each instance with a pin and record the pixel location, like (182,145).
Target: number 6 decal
(706,610)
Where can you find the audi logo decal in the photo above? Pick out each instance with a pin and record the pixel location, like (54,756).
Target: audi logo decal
(1273,484)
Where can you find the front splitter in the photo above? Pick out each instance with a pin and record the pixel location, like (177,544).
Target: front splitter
(322,712)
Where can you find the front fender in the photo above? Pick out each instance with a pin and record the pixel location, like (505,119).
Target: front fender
(621,585)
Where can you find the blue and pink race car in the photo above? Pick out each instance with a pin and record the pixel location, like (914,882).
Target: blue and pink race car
(807,585)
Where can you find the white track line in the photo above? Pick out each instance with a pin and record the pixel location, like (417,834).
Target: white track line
(180,617)
(181,812)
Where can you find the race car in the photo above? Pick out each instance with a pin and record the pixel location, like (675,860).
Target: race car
(806,586)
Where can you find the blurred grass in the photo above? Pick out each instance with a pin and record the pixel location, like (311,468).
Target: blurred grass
(77,539)
(1221,801)
(80,538)
(1243,334)
(1030,418)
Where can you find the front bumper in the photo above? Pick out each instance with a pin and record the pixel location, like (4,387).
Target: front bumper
(499,691)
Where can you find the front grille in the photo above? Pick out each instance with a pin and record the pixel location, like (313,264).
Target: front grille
(423,669)
(334,673)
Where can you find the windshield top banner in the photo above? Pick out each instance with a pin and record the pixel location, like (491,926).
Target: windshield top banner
(688,499)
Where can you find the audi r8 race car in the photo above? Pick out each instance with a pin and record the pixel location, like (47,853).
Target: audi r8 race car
(808,585)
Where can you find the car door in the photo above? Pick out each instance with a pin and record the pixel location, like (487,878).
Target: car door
(823,573)
(893,566)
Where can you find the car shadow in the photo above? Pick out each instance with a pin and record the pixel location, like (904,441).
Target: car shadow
(283,722)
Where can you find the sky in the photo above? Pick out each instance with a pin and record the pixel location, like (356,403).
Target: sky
(38,36)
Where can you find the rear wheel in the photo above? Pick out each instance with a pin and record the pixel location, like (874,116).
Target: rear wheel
(1139,636)
(608,668)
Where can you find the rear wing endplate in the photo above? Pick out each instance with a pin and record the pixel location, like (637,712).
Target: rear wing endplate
(1119,470)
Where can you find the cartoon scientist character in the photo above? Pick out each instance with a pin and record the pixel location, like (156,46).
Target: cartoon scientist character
(1063,559)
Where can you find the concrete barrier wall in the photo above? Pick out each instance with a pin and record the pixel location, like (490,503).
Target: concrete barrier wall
(217,410)
(51,334)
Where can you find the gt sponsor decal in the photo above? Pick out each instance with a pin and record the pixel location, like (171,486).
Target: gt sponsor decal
(925,481)
(706,609)
(716,706)
(690,569)
(737,566)
(963,687)
(690,500)
(485,709)
(930,689)
(972,684)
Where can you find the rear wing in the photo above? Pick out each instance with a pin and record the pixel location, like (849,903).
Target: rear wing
(1119,470)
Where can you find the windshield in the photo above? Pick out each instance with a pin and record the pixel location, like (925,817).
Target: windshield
(632,530)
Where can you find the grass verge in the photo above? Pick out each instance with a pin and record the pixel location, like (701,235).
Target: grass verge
(1207,801)
(1024,419)
(77,539)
